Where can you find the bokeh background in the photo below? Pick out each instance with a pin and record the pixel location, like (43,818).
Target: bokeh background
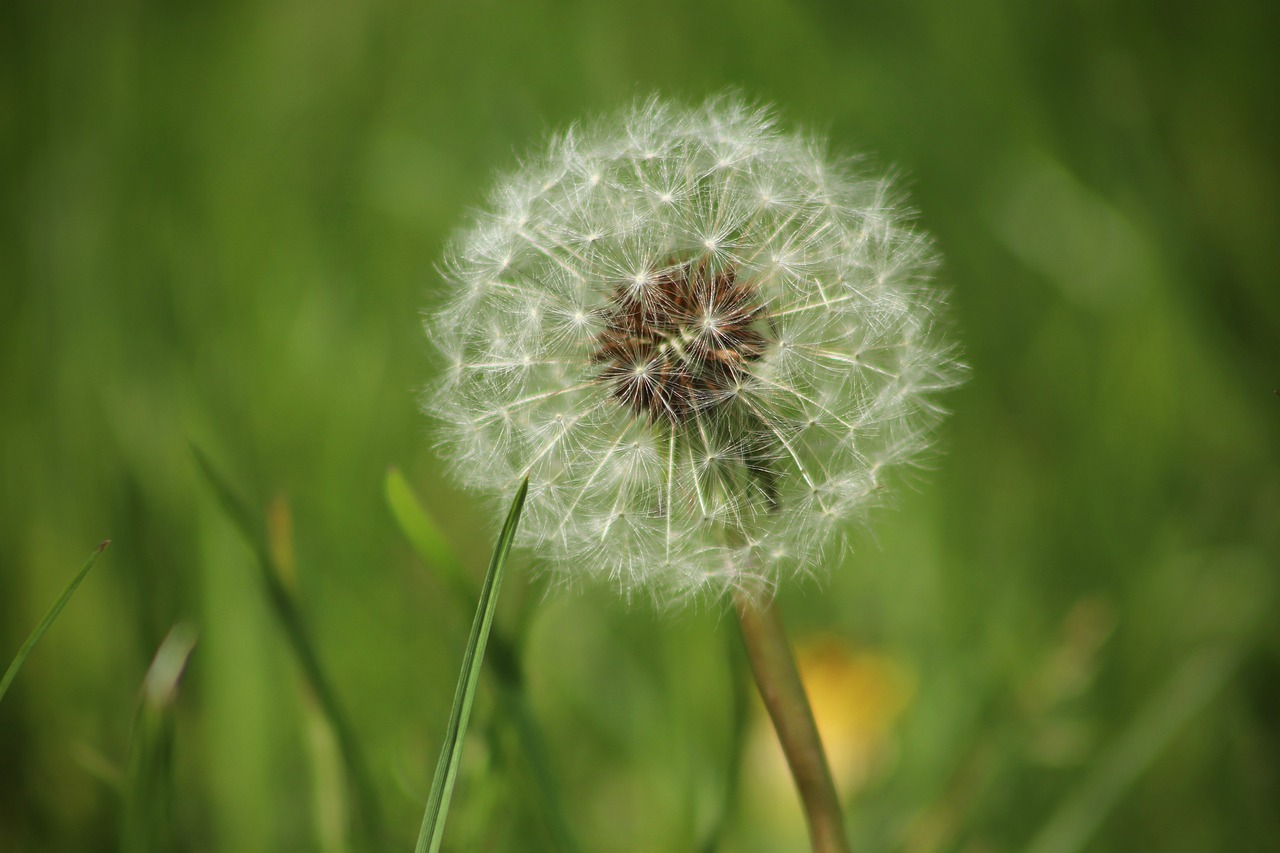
(220,225)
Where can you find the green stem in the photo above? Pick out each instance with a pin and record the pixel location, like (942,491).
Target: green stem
(34,637)
(778,679)
(368,814)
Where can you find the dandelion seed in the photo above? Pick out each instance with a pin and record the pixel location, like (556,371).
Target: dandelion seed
(702,342)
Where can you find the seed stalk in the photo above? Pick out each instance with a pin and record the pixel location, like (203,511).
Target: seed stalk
(778,679)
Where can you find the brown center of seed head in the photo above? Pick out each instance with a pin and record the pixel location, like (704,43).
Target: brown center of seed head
(681,344)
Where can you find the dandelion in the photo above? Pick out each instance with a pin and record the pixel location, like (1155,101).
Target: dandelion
(703,343)
(702,346)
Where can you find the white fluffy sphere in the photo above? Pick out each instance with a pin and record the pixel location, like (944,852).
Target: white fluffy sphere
(702,341)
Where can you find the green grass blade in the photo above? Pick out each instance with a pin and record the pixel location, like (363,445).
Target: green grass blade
(424,534)
(431,545)
(516,704)
(12,672)
(451,752)
(148,812)
(1196,682)
(366,808)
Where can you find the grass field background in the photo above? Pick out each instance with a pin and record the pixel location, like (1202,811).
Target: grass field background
(220,226)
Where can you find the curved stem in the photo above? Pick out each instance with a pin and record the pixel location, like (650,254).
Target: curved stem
(778,679)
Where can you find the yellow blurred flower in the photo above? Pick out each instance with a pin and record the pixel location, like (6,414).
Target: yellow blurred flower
(857,696)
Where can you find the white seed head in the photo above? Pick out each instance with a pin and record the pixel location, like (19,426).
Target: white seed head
(703,343)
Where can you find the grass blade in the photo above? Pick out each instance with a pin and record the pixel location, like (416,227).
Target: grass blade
(451,752)
(148,814)
(12,672)
(516,704)
(425,535)
(433,547)
(366,809)
(1196,682)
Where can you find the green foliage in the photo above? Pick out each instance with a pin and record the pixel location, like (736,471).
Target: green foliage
(147,820)
(506,667)
(34,637)
(367,810)
(425,535)
(220,223)
(1195,683)
(433,819)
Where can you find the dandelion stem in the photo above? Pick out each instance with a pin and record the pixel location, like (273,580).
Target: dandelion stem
(778,679)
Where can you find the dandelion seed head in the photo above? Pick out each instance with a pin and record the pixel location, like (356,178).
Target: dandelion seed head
(701,341)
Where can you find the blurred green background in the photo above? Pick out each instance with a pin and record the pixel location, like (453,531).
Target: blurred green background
(220,225)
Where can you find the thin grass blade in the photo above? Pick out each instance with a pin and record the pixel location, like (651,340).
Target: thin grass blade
(451,752)
(431,545)
(12,672)
(516,704)
(148,812)
(1195,683)
(365,806)
(423,533)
